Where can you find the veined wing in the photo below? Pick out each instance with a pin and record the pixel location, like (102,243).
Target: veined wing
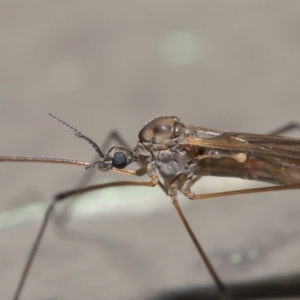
(280,146)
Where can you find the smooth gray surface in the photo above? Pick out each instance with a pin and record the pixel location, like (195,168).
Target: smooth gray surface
(103,65)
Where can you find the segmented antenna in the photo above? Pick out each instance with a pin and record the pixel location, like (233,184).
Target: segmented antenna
(79,134)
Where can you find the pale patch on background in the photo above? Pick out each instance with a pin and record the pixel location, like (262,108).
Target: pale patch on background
(181,48)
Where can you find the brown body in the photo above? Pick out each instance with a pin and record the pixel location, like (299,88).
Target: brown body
(180,152)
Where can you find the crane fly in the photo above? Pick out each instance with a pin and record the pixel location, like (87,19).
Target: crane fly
(181,154)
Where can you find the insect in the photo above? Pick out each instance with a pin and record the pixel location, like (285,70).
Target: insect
(181,154)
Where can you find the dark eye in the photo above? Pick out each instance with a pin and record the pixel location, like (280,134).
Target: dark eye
(119,160)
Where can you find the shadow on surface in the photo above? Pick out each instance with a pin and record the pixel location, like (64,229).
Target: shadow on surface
(279,287)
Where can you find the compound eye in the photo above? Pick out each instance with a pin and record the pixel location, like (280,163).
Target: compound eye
(119,160)
(178,129)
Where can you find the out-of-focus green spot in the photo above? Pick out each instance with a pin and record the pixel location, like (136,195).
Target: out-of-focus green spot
(236,258)
(181,48)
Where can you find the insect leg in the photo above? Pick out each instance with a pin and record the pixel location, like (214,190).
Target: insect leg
(154,181)
(185,189)
(285,128)
(115,135)
(248,191)
(58,198)
(33,251)
(221,287)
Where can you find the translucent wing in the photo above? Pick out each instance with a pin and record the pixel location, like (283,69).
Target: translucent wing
(272,145)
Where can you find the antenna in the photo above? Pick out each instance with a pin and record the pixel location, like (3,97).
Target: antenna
(79,134)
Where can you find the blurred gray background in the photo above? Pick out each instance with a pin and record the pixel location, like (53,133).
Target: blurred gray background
(104,65)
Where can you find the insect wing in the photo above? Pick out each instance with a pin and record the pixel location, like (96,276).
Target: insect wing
(285,147)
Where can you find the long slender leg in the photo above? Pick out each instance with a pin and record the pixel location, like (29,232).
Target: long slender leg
(63,217)
(115,135)
(285,128)
(240,192)
(154,181)
(60,197)
(33,251)
(221,287)
(173,191)
(248,191)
